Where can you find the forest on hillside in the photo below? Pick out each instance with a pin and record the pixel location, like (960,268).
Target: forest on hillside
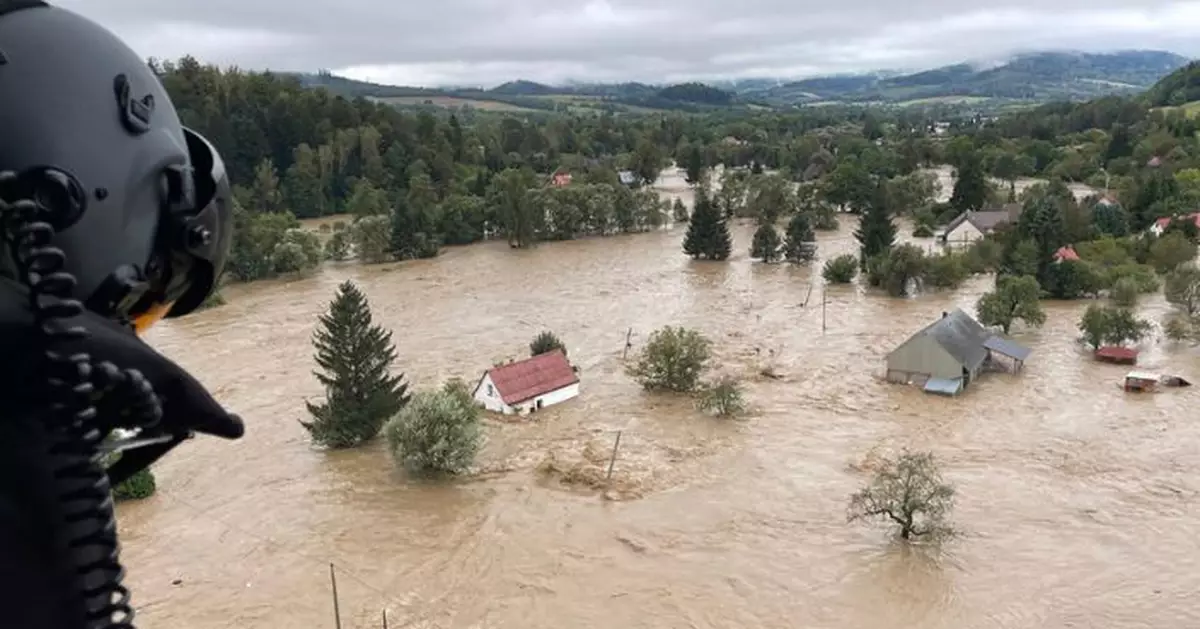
(412,182)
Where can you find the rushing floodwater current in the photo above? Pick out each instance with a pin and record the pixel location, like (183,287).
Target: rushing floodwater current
(1078,502)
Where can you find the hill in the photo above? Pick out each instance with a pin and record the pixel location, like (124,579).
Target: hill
(1177,88)
(1024,79)
(1031,77)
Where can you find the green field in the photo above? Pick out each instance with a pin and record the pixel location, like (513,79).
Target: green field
(943,100)
(1191,109)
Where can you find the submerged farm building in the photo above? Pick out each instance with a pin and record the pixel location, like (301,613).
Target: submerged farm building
(949,354)
(528,385)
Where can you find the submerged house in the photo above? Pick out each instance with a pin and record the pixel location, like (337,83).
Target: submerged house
(970,226)
(949,354)
(627,178)
(528,385)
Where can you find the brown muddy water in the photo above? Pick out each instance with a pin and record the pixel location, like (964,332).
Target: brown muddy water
(1078,503)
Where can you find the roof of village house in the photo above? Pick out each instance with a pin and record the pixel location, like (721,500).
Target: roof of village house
(983,221)
(1117,352)
(1166,220)
(1066,252)
(960,335)
(1008,348)
(529,378)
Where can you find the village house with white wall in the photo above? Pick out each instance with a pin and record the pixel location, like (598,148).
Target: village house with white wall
(528,385)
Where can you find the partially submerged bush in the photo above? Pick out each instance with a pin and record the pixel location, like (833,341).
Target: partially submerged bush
(723,398)
(672,360)
(840,270)
(545,342)
(438,432)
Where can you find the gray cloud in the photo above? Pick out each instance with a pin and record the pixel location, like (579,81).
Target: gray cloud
(486,42)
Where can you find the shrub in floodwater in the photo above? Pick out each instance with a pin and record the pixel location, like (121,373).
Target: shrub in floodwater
(438,432)
(840,270)
(723,398)
(356,359)
(546,342)
(909,493)
(673,360)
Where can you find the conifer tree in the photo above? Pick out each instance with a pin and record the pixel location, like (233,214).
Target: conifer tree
(876,233)
(766,243)
(970,187)
(356,358)
(801,241)
(708,234)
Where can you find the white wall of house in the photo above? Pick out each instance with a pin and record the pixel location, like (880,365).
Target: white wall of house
(963,234)
(487,396)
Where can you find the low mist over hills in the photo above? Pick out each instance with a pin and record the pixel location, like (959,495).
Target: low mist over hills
(1026,78)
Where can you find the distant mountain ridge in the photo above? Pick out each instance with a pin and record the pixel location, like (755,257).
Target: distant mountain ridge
(1031,77)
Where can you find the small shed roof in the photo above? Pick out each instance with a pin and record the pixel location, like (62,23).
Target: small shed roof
(944,386)
(529,378)
(1119,353)
(961,336)
(1007,347)
(1141,375)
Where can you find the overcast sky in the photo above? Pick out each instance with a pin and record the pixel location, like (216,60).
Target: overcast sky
(486,42)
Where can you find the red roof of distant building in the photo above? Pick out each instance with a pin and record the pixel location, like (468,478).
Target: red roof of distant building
(532,377)
(1166,220)
(561,178)
(1066,253)
(1154,161)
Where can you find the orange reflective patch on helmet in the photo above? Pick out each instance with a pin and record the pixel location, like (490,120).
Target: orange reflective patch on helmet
(146,320)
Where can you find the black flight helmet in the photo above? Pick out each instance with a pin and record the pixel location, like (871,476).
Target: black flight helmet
(141,206)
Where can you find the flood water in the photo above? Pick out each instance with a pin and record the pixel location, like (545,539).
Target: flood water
(1078,502)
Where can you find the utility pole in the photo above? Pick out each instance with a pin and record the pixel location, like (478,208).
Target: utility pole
(337,612)
(823,302)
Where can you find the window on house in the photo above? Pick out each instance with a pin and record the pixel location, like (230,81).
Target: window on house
(491,391)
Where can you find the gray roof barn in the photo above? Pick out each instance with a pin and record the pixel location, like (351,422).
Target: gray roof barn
(949,348)
(949,353)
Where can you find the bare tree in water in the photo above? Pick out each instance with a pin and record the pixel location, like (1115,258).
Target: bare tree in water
(910,493)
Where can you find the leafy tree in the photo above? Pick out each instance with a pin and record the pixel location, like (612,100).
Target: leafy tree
(509,195)
(909,493)
(708,234)
(876,233)
(1072,279)
(1124,293)
(1111,325)
(948,270)
(438,432)
(337,248)
(1020,257)
(723,398)
(849,186)
(673,360)
(801,245)
(303,187)
(1170,251)
(1014,298)
(355,357)
(371,239)
(366,200)
(766,244)
(647,161)
(897,270)
(544,343)
(1180,328)
(840,270)
(1182,289)
(971,187)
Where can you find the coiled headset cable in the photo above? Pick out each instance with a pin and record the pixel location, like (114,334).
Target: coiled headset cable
(73,390)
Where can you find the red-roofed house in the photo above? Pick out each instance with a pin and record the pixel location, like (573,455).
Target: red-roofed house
(1065,253)
(1160,225)
(528,385)
(561,179)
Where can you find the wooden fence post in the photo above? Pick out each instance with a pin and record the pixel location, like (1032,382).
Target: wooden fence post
(337,612)
(613,459)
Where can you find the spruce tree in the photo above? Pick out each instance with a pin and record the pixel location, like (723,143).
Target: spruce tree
(403,239)
(801,241)
(971,187)
(356,358)
(708,234)
(876,232)
(766,243)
